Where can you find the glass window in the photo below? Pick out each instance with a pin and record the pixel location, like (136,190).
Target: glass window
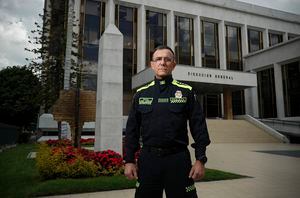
(238,103)
(93,27)
(291,88)
(126,20)
(255,40)
(209,44)
(234,48)
(291,36)
(212,105)
(156,32)
(275,39)
(89,81)
(266,94)
(184,43)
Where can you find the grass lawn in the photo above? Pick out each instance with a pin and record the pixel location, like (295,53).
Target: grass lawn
(20,178)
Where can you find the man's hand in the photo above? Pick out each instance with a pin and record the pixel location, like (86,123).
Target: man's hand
(130,171)
(197,171)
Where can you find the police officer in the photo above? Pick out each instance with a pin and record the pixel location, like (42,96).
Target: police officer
(158,120)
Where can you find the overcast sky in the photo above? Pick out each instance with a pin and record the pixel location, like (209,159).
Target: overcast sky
(17,19)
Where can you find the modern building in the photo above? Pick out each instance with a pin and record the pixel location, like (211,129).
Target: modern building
(240,58)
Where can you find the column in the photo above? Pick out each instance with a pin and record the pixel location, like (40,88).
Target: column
(141,39)
(279,91)
(266,38)
(244,38)
(285,37)
(227,96)
(110,12)
(222,105)
(109,102)
(251,102)
(197,42)
(171,30)
(222,44)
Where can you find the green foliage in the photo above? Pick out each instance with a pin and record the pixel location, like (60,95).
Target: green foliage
(19,96)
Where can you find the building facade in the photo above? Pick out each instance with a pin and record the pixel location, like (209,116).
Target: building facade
(240,58)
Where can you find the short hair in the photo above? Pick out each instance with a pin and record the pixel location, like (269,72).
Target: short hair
(161,47)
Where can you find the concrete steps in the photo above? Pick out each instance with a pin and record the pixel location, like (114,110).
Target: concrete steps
(237,131)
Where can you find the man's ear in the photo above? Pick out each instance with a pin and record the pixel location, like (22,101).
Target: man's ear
(152,65)
(174,65)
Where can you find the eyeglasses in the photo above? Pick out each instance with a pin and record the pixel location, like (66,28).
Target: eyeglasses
(166,59)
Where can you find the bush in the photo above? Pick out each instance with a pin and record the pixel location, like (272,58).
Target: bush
(63,161)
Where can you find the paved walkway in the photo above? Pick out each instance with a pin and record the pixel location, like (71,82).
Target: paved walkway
(272,175)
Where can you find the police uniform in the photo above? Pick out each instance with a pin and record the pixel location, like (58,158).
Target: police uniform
(158,120)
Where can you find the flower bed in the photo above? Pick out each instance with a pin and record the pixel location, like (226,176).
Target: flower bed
(58,159)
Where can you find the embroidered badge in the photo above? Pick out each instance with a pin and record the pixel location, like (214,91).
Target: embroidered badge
(178,100)
(163,100)
(178,94)
(145,101)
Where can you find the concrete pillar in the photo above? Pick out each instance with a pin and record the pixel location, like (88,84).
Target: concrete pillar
(171,30)
(222,44)
(285,36)
(110,12)
(244,38)
(109,105)
(222,105)
(279,91)
(141,39)
(197,42)
(266,38)
(227,96)
(251,102)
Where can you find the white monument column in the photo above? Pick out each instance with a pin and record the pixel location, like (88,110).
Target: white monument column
(109,107)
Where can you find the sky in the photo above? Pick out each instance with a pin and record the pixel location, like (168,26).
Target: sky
(17,18)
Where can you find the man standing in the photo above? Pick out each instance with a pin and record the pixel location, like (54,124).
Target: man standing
(158,119)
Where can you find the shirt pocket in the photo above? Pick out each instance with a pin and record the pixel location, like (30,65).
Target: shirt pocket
(145,109)
(177,108)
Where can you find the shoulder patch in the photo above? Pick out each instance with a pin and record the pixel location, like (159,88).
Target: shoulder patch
(146,86)
(182,85)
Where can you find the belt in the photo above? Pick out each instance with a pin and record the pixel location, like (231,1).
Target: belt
(159,151)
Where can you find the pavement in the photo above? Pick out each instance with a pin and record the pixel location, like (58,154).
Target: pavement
(273,170)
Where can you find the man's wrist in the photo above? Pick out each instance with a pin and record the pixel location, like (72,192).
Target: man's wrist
(202,159)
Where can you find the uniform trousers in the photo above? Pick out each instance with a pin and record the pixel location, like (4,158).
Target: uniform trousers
(158,171)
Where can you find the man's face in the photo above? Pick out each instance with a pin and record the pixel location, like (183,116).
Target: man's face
(163,63)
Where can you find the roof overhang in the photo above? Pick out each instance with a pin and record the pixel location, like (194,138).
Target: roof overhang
(206,80)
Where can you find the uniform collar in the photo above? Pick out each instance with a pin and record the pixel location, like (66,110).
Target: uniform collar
(165,81)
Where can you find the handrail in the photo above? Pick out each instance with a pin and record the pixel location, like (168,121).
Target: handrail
(265,127)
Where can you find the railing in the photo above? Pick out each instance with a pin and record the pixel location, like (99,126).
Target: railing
(288,127)
(264,127)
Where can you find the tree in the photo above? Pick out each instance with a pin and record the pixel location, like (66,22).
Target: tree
(49,60)
(50,57)
(19,96)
